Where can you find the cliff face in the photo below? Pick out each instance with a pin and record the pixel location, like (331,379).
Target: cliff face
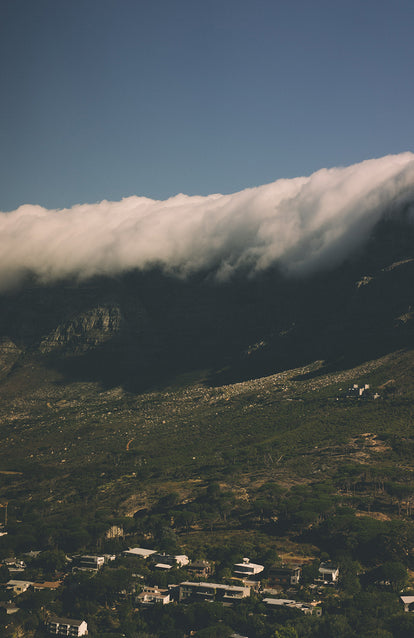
(9,355)
(83,332)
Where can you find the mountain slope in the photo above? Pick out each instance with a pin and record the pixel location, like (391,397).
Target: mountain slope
(145,329)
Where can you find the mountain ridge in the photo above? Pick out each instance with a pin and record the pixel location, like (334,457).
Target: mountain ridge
(142,329)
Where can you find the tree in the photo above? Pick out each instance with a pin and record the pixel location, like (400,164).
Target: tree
(285,632)
(395,573)
(4,574)
(51,561)
(348,576)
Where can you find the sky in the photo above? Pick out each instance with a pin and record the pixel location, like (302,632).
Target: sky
(105,99)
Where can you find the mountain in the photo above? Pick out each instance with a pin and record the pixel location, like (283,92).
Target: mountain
(144,330)
(217,417)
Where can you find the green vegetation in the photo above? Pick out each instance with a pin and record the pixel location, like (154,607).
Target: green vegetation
(284,468)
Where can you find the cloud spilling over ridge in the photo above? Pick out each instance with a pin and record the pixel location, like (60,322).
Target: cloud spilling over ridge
(303,224)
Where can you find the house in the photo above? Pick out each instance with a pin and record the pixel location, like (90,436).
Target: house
(408,602)
(163,566)
(305,608)
(212,591)
(284,575)
(139,552)
(154,596)
(51,585)
(18,586)
(246,568)
(182,560)
(14,565)
(359,392)
(115,531)
(10,608)
(34,553)
(179,560)
(200,568)
(91,563)
(328,573)
(67,627)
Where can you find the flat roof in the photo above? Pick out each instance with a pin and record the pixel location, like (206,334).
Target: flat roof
(139,551)
(215,586)
(48,584)
(67,621)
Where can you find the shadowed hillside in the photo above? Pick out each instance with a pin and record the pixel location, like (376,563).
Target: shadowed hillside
(146,329)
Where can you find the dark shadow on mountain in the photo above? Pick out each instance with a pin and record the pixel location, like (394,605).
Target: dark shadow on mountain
(145,330)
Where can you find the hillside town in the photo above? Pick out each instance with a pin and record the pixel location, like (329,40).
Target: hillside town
(141,578)
(277,586)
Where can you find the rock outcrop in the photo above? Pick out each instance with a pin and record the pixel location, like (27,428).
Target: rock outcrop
(83,332)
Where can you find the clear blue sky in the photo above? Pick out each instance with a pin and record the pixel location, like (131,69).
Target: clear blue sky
(103,99)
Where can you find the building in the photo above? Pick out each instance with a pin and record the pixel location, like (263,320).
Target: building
(163,566)
(51,585)
(359,392)
(305,608)
(408,602)
(67,627)
(284,576)
(10,608)
(328,573)
(18,586)
(200,568)
(139,552)
(154,596)
(212,591)
(179,560)
(14,565)
(246,568)
(182,560)
(91,563)
(115,531)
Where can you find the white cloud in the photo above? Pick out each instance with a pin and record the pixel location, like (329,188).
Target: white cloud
(303,224)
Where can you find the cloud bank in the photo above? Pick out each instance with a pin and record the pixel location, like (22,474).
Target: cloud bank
(302,224)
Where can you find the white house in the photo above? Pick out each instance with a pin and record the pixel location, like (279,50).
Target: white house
(182,560)
(67,627)
(91,563)
(328,573)
(246,568)
(18,586)
(408,602)
(154,596)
